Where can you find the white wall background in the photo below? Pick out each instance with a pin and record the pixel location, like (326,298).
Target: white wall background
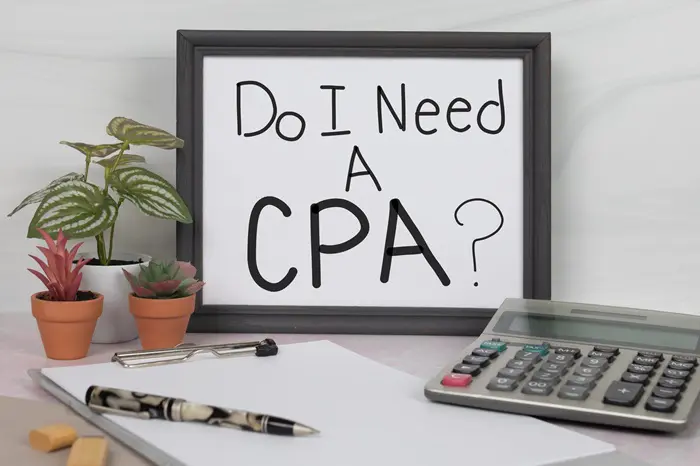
(626,130)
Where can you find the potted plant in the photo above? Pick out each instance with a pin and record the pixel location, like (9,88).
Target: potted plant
(162,301)
(83,209)
(65,314)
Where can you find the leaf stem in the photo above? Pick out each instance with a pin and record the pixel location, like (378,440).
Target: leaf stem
(111,230)
(87,166)
(108,171)
(101,249)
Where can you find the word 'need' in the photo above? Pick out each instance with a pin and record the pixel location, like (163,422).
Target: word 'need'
(425,111)
(396,213)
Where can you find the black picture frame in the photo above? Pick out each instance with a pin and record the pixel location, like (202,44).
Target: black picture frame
(535,51)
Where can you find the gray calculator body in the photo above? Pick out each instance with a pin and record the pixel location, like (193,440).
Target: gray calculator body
(596,364)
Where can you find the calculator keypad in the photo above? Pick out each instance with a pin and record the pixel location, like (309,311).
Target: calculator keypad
(644,380)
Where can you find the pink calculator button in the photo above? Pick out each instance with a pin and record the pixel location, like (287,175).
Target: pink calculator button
(457,380)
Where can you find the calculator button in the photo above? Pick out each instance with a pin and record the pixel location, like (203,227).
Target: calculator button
(510,373)
(651,354)
(494,345)
(635,378)
(599,354)
(639,369)
(607,349)
(520,364)
(663,405)
(556,369)
(676,374)
(581,381)
(663,392)
(671,383)
(456,380)
(588,372)
(681,358)
(681,366)
(466,369)
(546,377)
(566,359)
(575,352)
(573,392)
(623,393)
(538,387)
(502,384)
(481,361)
(533,356)
(600,363)
(643,361)
(485,352)
(542,349)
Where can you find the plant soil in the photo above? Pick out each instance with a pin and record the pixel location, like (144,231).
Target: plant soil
(96,261)
(80,296)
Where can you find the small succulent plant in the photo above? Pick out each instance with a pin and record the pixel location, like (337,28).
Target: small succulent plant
(164,280)
(61,278)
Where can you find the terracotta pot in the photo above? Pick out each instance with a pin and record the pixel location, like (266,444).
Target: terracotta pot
(66,327)
(161,323)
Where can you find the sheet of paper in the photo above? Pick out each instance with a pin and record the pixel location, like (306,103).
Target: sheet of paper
(368,414)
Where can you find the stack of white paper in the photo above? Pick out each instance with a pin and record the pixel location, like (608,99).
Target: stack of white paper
(368,414)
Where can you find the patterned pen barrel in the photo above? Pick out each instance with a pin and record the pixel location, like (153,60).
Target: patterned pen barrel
(145,406)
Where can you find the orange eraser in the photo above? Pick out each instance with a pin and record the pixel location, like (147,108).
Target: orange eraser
(52,437)
(88,451)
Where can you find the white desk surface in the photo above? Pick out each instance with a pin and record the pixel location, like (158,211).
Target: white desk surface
(421,356)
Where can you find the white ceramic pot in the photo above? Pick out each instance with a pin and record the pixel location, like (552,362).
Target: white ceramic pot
(116,324)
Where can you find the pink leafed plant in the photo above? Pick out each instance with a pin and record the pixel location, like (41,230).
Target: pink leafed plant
(61,278)
(164,280)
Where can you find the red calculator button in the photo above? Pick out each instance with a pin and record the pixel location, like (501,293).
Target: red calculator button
(457,380)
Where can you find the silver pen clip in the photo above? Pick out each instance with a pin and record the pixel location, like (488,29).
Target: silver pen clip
(119,412)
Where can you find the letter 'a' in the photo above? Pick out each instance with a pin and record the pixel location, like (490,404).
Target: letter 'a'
(397,211)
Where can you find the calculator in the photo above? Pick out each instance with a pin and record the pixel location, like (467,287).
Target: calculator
(609,365)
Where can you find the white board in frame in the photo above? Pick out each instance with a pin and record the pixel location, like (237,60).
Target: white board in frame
(363,182)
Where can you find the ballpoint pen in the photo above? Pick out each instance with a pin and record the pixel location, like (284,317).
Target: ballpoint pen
(146,406)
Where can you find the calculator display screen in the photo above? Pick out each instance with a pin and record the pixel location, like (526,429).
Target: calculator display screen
(597,331)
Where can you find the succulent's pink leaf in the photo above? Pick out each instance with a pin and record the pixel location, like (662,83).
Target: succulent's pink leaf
(81,263)
(47,271)
(41,277)
(74,251)
(193,288)
(72,291)
(61,240)
(54,292)
(164,287)
(133,281)
(61,268)
(143,292)
(50,259)
(187,269)
(48,239)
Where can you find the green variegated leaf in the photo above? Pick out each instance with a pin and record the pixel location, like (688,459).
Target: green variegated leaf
(151,193)
(80,209)
(37,196)
(101,150)
(125,159)
(137,133)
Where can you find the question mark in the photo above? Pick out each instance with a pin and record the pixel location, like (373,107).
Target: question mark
(476,240)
